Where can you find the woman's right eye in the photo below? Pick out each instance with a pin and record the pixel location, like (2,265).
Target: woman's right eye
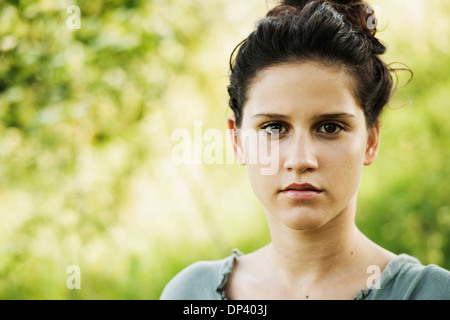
(273,128)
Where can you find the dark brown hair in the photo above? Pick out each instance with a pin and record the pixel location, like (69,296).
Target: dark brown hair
(336,34)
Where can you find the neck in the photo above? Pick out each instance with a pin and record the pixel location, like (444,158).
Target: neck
(315,254)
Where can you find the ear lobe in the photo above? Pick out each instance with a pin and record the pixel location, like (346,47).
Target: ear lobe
(235,141)
(373,143)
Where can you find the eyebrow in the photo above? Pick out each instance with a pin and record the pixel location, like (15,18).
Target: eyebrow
(317,117)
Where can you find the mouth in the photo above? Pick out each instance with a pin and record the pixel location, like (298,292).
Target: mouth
(304,191)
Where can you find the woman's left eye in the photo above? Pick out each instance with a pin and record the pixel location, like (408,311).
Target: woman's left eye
(330,128)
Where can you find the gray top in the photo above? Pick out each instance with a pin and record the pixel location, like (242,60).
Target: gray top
(404,278)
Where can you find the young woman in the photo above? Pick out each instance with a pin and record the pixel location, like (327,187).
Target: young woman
(309,81)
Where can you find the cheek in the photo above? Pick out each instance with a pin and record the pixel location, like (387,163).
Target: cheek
(343,163)
(264,186)
(258,180)
(261,156)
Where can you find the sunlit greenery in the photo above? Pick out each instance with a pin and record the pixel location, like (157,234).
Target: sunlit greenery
(86,120)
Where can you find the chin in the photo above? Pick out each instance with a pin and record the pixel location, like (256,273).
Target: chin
(304,224)
(303,219)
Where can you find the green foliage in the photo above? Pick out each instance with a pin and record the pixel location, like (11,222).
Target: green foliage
(86,118)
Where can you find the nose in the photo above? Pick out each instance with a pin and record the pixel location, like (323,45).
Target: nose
(300,155)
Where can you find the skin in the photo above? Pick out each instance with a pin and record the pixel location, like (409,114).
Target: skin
(316,251)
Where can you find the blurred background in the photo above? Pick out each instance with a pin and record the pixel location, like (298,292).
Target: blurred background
(87,112)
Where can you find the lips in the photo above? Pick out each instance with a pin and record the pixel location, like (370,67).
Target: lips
(304,191)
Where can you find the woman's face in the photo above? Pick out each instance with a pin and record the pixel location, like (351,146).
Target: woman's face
(316,133)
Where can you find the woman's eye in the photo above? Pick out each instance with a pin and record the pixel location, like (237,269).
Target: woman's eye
(330,128)
(273,128)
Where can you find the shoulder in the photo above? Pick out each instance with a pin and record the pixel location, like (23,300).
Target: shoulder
(201,280)
(432,283)
(406,278)
(197,281)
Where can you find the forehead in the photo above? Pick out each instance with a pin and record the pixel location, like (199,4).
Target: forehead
(302,88)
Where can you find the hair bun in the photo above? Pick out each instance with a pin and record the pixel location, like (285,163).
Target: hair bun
(358,14)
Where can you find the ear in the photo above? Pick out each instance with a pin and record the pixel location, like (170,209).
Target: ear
(235,140)
(373,143)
